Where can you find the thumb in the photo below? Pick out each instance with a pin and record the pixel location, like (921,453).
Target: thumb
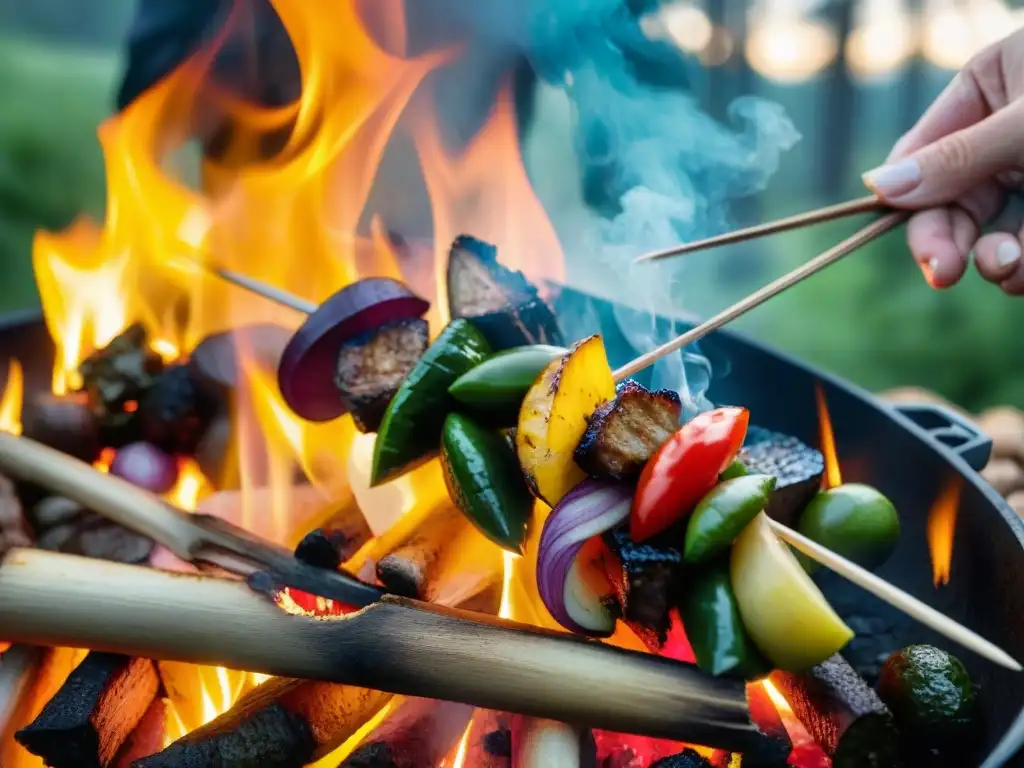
(948,167)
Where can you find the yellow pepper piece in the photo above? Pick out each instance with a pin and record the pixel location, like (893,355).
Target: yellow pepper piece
(783,611)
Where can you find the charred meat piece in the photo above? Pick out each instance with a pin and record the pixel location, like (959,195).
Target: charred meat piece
(797,469)
(373,365)
(115,379)
(650,583)
(625,432)
(501,302)
(175,413)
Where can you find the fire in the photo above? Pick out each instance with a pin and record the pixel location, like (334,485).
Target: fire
(10,403)
(833,477)
(941,527)
(460,753)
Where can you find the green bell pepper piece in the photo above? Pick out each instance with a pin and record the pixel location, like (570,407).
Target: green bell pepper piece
(410,431)
(723,513)
(485,481)
(853,520)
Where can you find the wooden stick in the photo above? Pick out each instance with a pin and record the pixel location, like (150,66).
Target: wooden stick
(395,645)
(866,235)
(817,216)
(269,292)
(198,539)
(19,666)
(896,597)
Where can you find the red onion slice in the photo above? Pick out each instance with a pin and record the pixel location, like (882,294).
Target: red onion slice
(306,373)
(146,466)
(590,509)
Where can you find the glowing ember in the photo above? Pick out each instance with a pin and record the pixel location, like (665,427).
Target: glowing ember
(941,527)
(833,477)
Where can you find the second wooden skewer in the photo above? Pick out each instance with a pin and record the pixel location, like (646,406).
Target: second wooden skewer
(818,216)
(860,238)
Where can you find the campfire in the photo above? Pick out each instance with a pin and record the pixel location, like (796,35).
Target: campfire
(186,365)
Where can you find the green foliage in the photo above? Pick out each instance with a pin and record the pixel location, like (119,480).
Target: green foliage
(51,167)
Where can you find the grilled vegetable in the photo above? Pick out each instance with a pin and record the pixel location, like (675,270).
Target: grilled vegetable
(495,389)
(372,366)
(930,694)
(784,613)
(410,431)
(174,413)
(572,582)
(685,468)
(734,470)
(146,466)
(722,514)
(501,302)
(854,520)
(554,416)
(714,627)
(843,714)
(485,482)
(306,373)
(115,379)
(623,434)
(648,582)
(796,467)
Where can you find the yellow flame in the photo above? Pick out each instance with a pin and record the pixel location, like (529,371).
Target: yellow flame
(941,528)
(460,754)
(10,403)
(833,476)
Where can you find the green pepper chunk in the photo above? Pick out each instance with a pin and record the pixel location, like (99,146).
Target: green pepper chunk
(734,470)
(714,628)
(485,481)
(410,431)
(723,513)
(853,520)
(494,390)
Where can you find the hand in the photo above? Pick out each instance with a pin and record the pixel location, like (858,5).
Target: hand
(956,168)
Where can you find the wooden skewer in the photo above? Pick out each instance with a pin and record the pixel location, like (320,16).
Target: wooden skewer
(862,237)
(896,597)
(260,288)
(830,213)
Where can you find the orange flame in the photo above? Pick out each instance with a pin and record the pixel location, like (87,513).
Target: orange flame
(941,527)
(460,753)
(10,403)
(833,477)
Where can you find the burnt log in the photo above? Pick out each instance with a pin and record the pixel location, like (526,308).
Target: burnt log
(283,723)
(147,738)
(842,713)
(409,569)
(91,716)
(66,526)
(417,733)
(489,743)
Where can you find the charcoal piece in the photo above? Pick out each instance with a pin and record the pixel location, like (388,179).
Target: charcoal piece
(91,535)
(796,467)
(769,752)
(115,379)
(688,758)
(372,366)
(213,364)
(65,423)
(650,584)
(55,510)
(174,414)
(500,302)
(91,716)
(147,738)
(321,549)
(282,723)
(842,713)
(409,569)
(215,454)
(624,433)
(499,743)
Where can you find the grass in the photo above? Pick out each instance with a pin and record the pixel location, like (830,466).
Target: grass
(51,167)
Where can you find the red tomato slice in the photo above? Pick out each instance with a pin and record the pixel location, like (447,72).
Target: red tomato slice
(684,469)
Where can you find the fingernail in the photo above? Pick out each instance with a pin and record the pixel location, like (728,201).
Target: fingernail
(930,268)
(1007,253)
(895,179)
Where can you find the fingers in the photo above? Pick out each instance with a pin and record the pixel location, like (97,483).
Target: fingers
(940,240)
(997,256)
(944,170)
(961,104)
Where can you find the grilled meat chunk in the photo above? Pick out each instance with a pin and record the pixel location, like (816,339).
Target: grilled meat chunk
(650,583)
(373,365)
(501,302)
(625,432)
(797,469)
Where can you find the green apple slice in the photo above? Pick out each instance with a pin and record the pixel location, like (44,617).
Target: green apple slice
(783,611)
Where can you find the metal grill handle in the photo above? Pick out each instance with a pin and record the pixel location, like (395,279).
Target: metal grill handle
(952,430)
